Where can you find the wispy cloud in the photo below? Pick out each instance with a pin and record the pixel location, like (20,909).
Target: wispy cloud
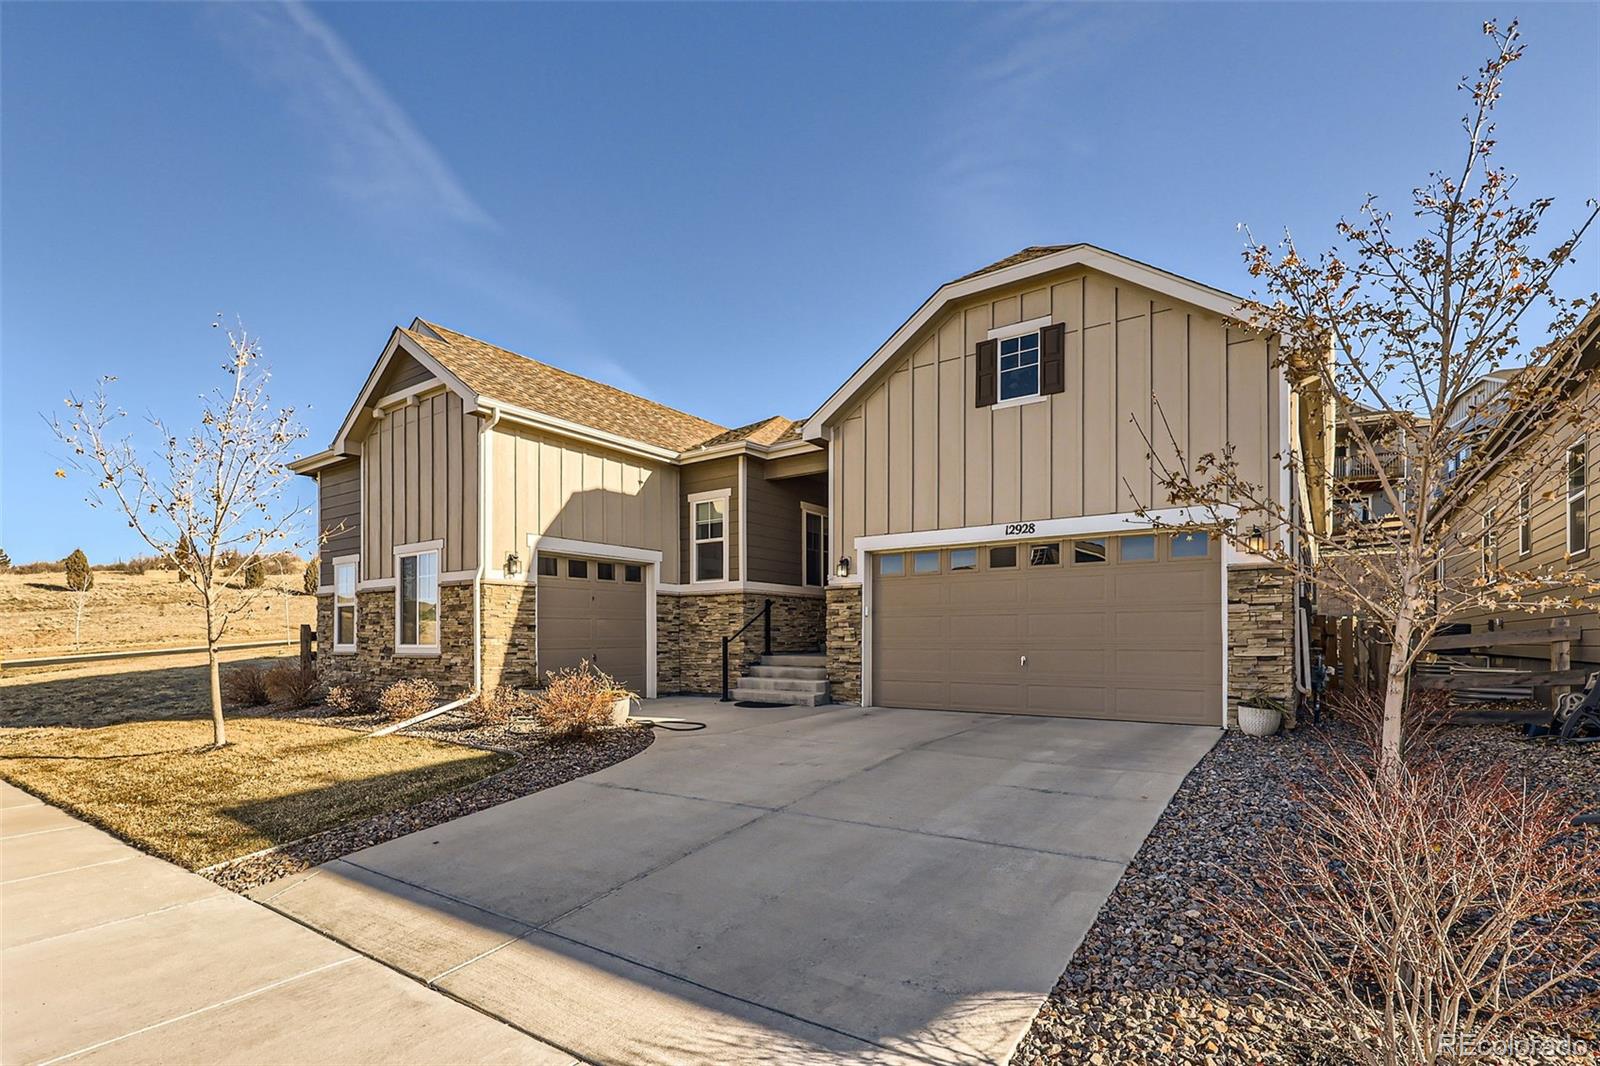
(1018,110)
(376,155)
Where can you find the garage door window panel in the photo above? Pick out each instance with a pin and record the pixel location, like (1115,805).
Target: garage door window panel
(1190,546)
(963,559)
(1044,555)
(548,566)
(1003,557)
(891,565)
(925,563)
(1140,548)
(1088,551)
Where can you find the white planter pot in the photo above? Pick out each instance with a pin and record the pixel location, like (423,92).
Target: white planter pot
(1259,721)
(621,708)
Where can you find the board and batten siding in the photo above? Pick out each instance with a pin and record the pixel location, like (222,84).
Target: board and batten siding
(420,475)
(1548,515)
(709,476)
(338,514)
(773,525)
(550,486)
(914,453)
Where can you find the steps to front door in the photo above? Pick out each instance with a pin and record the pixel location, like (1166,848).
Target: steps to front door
(796,680)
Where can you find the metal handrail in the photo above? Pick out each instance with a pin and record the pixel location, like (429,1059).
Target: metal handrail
(766,642)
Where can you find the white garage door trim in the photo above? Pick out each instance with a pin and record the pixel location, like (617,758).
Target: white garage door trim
(1088,525)
(649,558)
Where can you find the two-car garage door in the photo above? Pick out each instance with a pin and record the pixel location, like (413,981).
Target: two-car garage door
(1115,627)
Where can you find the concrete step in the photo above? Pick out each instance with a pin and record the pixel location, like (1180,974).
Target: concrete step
(784,684)
(792,699)
(794,659)
(804,673)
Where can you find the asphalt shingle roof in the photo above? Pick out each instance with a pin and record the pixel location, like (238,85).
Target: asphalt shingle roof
(499,374)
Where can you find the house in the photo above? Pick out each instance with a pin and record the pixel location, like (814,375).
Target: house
(1534,527)
(1359,476)
(971,521)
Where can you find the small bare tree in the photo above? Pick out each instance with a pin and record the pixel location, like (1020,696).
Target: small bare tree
(1397,333)
(80,582)
(214,497)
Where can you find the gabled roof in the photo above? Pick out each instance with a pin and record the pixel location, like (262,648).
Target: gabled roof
(497,374)
(1029,262)
(767,432)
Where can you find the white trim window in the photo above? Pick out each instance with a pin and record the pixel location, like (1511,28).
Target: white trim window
(1578,497)
(1525,520)
(1018,364)
(708,536)
(1486,562)
(813,545)
(344,604)
(416,600)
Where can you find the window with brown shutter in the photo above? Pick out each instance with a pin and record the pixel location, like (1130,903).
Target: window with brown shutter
(985,391)
(1053,359)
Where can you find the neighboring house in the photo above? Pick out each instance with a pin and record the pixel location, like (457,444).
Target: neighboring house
(1546,525)
(1360,496)
(970,498)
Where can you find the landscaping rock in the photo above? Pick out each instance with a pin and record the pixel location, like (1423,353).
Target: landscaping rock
(1152,981)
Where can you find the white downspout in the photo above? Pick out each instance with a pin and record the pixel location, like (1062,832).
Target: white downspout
(485,484)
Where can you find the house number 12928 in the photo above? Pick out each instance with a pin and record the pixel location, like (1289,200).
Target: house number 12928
(1019,529)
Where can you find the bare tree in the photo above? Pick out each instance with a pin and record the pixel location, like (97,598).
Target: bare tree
(214,497)
(1393,330)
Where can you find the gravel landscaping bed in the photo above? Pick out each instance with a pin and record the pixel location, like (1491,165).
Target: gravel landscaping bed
(541,763)
(1153,983)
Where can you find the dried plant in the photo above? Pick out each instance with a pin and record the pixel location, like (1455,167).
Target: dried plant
(1426,913)
(500,705)
(409,698)
(1426,714)
(246,686)
(292,686)
(1389,336)
(352,697)
(212,498)
(578,700)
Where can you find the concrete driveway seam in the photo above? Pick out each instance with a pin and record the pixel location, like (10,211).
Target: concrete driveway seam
(73,869)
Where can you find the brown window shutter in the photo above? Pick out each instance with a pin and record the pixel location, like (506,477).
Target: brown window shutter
(1053,359)
(988,384)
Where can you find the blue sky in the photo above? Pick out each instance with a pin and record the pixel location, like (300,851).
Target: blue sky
(726,208)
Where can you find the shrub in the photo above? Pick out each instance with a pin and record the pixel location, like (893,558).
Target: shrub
(292,686)
(1425,713)
(79,577)
(407,699)
(351,698)
(5,561)
(246,686)
(577,701)
(1427,908)
(500,705)
(311,579)
(255,573)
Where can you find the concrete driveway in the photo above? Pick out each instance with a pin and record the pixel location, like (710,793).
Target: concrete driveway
(806,884)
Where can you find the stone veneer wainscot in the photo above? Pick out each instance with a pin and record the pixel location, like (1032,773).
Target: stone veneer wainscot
(1260,636)
(844,643)
(690,628)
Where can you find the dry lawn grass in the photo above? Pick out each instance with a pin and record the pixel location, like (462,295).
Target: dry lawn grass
(156,785)
(128,611)
(99,694)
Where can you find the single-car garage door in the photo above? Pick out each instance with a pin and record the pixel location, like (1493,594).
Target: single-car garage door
(595,610)
(1112,627)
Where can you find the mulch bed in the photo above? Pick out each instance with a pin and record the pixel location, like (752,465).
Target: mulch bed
(542,763)
(1153,982)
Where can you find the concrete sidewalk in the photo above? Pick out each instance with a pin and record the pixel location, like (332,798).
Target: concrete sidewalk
(110,955)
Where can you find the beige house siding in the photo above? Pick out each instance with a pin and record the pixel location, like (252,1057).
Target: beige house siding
(551,486)
(709,476)
(420,477)
(402,373)
(774,527)
(1549,527)
(339,514)
(914,453)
